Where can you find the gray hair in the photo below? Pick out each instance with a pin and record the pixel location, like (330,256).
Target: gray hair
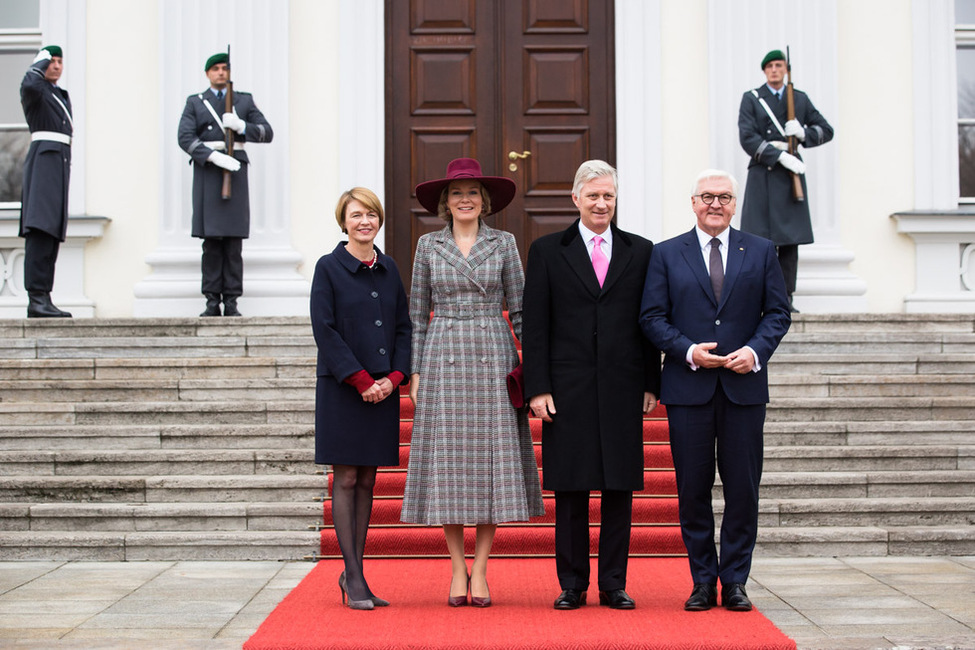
(592,169)
(714,173)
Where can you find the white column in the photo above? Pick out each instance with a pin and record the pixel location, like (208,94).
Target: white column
(935,105)
(639,143)
(257,32)
(740,34)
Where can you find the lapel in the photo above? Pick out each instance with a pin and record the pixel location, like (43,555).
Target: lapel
(487,241)
(778,106)
(691,250)
(577,257)
(736,257)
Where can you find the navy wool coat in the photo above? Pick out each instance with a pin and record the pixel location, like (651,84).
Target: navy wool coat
(768,209)
(583,344)
(214,216)
(361,321)
(47,168)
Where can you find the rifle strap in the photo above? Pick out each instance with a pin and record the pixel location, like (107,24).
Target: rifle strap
(771,115)
(216,118)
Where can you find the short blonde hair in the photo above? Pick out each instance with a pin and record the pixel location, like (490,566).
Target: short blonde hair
(444,212)
(364,196)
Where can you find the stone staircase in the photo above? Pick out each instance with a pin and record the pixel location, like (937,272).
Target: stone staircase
(149,439)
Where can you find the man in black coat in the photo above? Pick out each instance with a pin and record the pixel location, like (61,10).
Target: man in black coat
(223,224)
(590,375)
(769,209)
(47,170)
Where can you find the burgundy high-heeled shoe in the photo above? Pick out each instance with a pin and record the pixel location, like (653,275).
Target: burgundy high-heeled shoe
(459,601)
(477,601)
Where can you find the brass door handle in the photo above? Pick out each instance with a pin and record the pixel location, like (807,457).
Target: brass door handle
(514,156)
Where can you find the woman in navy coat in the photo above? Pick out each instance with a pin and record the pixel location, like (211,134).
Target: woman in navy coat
(361,321)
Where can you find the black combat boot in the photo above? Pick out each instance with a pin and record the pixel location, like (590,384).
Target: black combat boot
(230,306)
(213,305)
(39,305)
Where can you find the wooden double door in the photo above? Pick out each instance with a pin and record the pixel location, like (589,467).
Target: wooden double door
(525,86)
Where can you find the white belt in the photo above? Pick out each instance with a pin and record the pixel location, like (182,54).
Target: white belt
(220,145)
(53,136)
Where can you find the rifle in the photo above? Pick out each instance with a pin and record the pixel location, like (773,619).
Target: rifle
(228,133)
(790,108)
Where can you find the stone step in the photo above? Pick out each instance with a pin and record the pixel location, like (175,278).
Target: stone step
(125,517)
(154,436)
(159,546)
(177,328)
(864,541)
(880,342)
(149,462)
(156,368)
(866,485)
(900,433)
(160,347)
(866,458)
(832,386)
(873,365)
(861,409)
(158,413)
(889,322)
(161,489)
(887,512)
(158,390)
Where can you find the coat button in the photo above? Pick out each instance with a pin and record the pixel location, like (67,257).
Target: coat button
(374,294)
(717,322)
(483,325)
(382,351)
(450,359)
(483,359)
(379,323)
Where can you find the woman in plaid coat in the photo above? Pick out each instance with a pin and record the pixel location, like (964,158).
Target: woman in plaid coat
(471,456)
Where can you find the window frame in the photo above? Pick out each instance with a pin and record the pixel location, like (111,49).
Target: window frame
(964,39)
(20,41)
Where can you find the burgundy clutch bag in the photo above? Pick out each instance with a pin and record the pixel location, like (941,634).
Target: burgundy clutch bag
(516,387)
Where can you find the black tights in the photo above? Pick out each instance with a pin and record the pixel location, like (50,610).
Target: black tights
(352,487)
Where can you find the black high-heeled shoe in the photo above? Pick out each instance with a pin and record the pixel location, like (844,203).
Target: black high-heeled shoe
(460,601)
(353,604)
(376,600)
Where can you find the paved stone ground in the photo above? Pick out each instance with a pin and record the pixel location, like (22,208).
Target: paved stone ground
(823,603)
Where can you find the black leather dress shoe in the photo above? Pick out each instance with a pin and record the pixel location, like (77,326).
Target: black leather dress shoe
(703,597)
(570,599)
(616,599)
(733,597)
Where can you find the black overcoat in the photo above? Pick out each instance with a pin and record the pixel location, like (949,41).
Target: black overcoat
(47,168)
(361,321)
(583,344)
(214,216)
(768,209)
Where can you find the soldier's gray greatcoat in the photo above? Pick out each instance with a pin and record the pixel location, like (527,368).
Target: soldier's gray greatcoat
(471,456)
(214,216)
(768,209)
(47,168)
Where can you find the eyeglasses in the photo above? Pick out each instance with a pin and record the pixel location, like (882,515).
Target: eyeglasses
(708,199)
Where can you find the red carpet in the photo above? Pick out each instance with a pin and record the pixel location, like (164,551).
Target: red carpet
(312,616)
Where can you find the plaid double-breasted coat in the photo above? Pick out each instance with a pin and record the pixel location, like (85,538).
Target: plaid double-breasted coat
(471,456)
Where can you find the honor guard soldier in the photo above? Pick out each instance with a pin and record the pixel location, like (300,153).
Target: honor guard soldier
(772,208)
(44,199)
(221,213)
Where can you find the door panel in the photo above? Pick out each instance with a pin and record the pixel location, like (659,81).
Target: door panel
(524,86)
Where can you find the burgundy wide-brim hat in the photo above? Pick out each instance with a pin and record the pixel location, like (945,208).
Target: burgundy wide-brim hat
(500,189)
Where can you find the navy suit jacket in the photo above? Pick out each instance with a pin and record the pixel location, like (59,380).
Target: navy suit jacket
(679,309)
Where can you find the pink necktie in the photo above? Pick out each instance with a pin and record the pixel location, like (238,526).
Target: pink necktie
(599,262)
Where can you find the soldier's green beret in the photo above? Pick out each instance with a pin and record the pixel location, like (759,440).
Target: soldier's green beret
(55,50)
(223,57)
(774,55)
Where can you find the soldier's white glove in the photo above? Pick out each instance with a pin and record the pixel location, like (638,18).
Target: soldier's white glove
(42,55)
(781,145)
(792,163)
(792,127)
(223,160)
(231,121)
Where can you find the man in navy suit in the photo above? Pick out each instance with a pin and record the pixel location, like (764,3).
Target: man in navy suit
(715,304)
